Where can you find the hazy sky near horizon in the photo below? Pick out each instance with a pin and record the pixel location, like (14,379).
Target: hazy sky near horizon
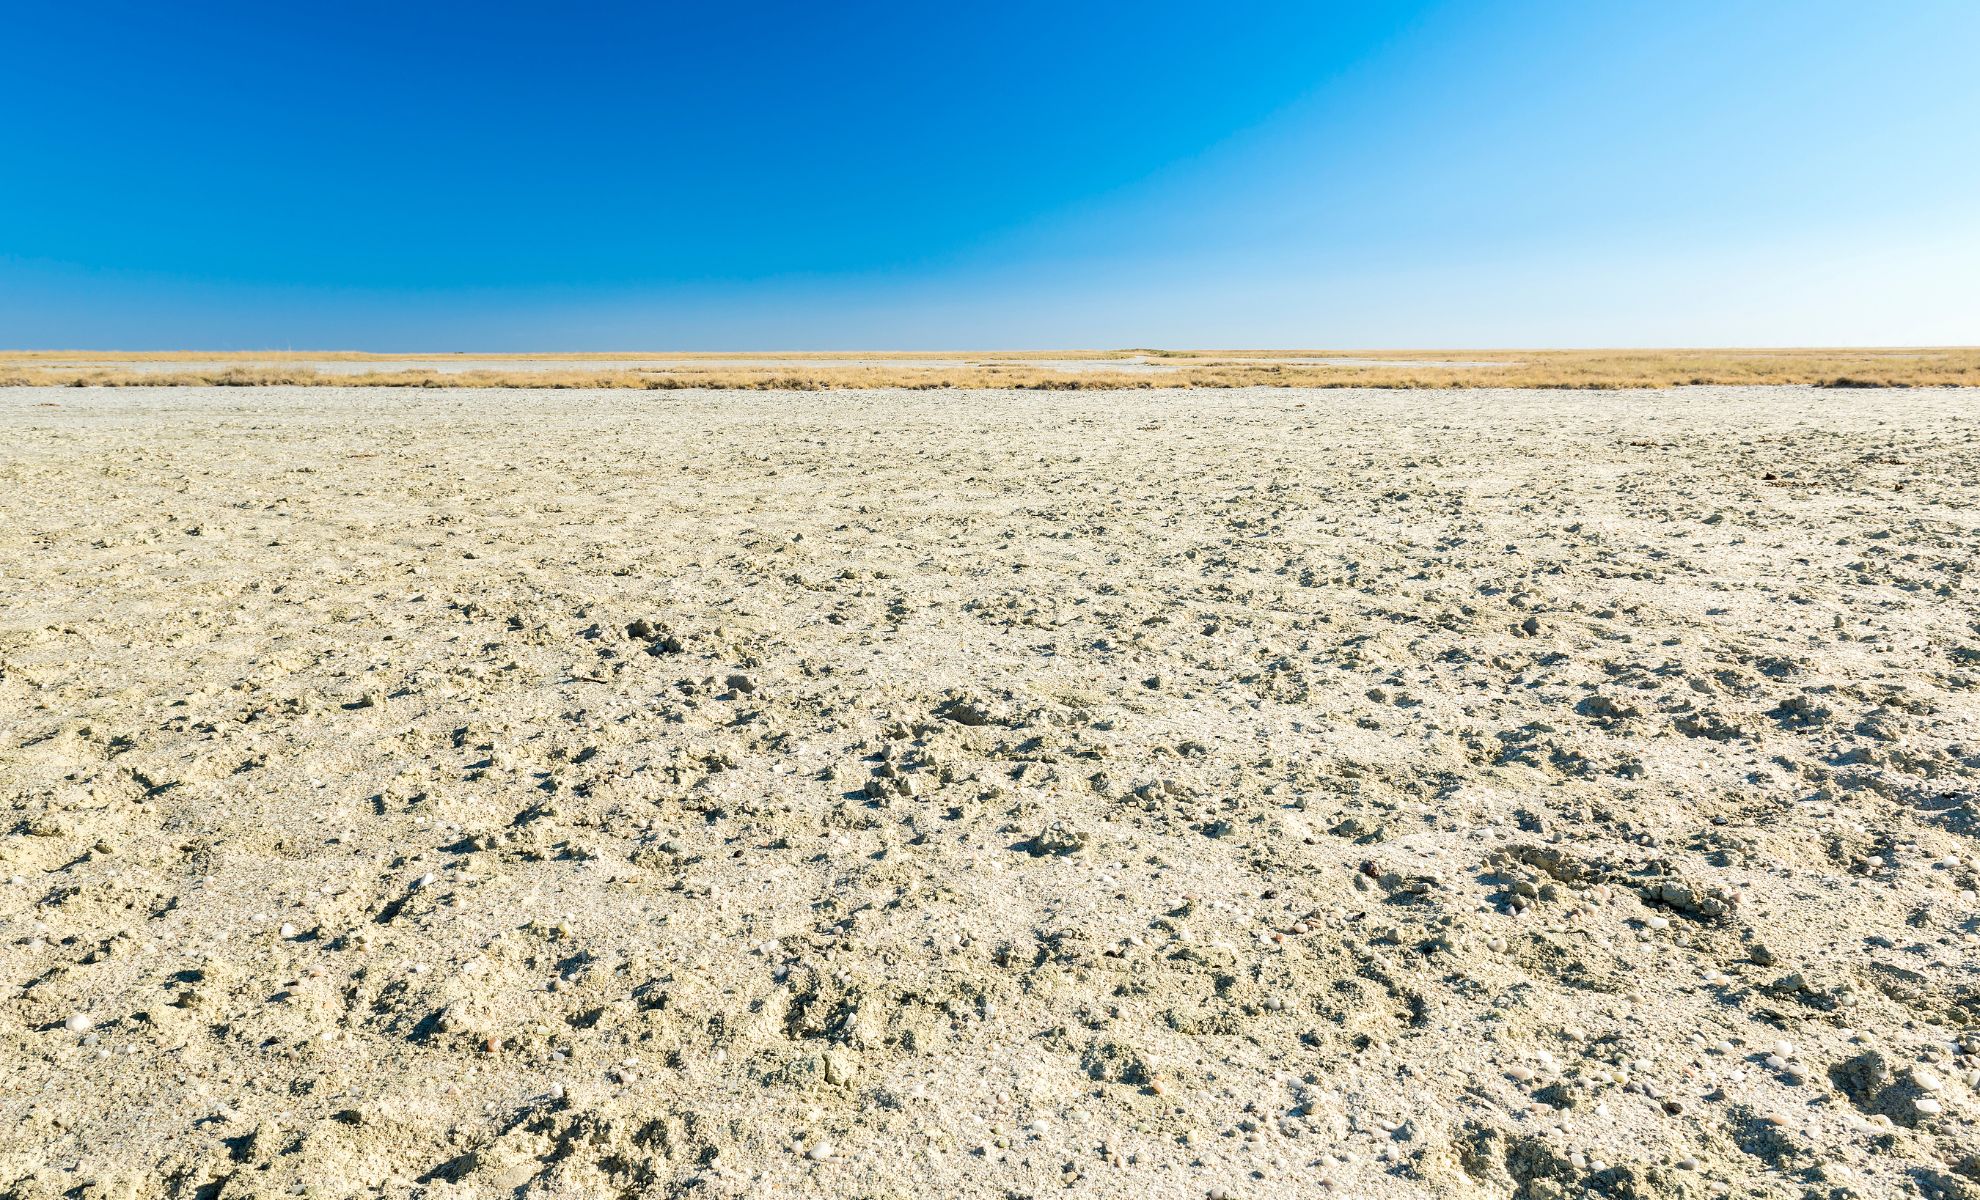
(511,176)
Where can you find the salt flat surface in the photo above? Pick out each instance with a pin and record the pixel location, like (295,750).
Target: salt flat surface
(1153,794)
(464,363)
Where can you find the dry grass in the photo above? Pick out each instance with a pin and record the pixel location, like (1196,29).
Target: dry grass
(1924,367)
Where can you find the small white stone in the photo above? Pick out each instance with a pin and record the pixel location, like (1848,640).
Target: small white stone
(1520,1074)
(425,880)
(78,1024)
(820,1151)
(288,930)
(1928,1106)
(1657,922)
(1926,1080)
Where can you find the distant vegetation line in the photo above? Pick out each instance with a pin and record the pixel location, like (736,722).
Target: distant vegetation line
(1595,369)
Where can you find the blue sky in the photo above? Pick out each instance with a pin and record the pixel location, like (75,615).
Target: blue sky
(511,176)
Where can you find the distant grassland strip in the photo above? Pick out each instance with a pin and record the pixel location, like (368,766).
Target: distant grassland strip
(1591,369)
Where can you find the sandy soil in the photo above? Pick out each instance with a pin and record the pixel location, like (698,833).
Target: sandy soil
(1166,794)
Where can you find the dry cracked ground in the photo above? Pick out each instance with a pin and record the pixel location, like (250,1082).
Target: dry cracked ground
(1245,794)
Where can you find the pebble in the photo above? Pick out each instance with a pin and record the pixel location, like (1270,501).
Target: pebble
(820,1151)
(78,1024)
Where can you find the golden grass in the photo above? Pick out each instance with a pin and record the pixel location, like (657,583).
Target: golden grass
(1598,369)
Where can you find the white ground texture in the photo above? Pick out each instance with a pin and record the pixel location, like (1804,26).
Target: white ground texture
(935,794)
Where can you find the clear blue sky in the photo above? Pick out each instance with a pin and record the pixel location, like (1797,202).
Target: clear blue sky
(512,176)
